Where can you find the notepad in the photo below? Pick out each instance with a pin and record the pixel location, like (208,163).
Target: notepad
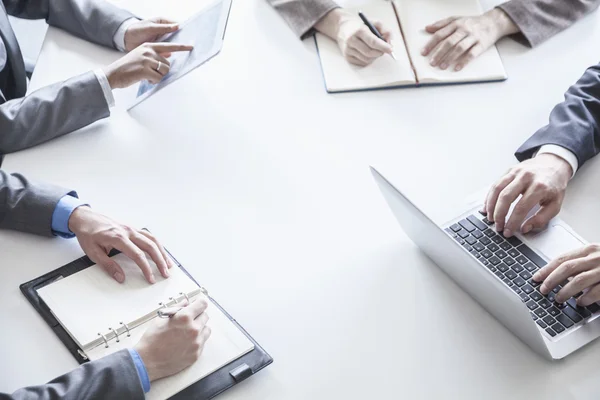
(407,20)
(103,317)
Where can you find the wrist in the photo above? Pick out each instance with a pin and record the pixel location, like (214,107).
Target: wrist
(330,24)
(559,164)
(151,368)
(108,71)
(78,218)
(501,23)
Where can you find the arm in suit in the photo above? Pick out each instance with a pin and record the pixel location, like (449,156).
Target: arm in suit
(574,123)
(27,206)
(539,20)
(112,377)
(51,112)
(93,20)
(302,15)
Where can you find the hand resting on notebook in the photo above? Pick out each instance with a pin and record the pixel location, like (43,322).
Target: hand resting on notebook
(542,181)
(358,45)
(458,40)
(98,235)
(173,344)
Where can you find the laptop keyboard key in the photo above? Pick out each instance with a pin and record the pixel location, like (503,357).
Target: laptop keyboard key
(537,260)
(488,232)
(463,233)
(505,246)
(535,296)
(519,281)
(540,312)
(455,227)
(566,321)
(513,253)
(524,298)
(532,305)
(467,225)
(493,247)
(510,274)
(475,253)
(494,260)
(545,304)
(555,312)
(550,332)
(501,254)
(530,267)
(487,222)
(584,312)
(485,240)
(477,222)
(549,320)
(478,247)
(527,289)
(541,323)
(508,282)
(516,267)
(514,241)
(558,328)
(525,275)
(499,274)
(471,240)
(497,239)
(520,259)
(509,261)
(477,234)
(572,314)
(486,253)
(502,267)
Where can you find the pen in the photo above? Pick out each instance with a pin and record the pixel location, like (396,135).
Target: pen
(373,30)
(168,312)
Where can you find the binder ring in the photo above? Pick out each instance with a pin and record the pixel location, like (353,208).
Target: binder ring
(162,305)
(186,297)
(203,290)
(173,299)
(126,328)
(115,333)
(104,338)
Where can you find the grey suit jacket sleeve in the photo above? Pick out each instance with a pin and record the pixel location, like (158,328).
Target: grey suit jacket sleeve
(27,206)
(50,112)
(302,15)
(538,20)
(111,377)
(574,123)
(93,20)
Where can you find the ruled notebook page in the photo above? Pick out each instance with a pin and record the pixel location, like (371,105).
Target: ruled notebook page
(340,75)
(415,15)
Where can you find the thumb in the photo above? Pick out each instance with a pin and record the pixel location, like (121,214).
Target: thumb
(162,29)
(540,219)
(113,269)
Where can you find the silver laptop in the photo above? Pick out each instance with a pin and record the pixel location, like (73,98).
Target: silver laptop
(496,272)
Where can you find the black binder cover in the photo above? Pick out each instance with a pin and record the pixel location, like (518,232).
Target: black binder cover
(206,388)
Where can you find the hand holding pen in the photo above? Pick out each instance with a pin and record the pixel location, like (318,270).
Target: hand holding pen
(358,44)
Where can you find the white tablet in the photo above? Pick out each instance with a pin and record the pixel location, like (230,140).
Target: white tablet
(205,31)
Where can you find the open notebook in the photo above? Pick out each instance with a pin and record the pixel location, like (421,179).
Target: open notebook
(407,20)
(103,317)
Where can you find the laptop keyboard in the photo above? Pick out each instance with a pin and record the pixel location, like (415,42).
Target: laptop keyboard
(514,263)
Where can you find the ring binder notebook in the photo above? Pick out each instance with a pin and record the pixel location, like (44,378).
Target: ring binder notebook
(233,354)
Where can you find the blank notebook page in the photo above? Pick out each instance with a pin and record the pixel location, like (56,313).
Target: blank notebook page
(340,75)
(415,15)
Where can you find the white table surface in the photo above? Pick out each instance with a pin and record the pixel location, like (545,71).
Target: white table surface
(258,181)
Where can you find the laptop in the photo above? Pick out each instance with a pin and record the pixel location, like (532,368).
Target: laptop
(497,271)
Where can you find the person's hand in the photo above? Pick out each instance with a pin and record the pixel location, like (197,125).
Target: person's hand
(583,266)
(541,180)
(143,63)
(173,344)
(358,45)
(98,235)
(148,30)
(458,40)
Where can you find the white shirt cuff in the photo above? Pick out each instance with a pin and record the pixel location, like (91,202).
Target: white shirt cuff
(561,152)
(119,38)
(106,89)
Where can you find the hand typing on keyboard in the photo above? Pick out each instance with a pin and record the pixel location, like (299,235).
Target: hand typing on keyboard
(582,266)
(541,180)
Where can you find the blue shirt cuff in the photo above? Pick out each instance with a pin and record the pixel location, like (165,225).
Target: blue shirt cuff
(62,213)
(141,370)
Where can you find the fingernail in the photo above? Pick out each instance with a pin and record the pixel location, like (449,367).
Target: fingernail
(444,66)
(536,276)
(507,233)
(167,272)
(152,279)
(527,228)
(543,289)
(119,277)
(432,63)
(423,52)
(458,67)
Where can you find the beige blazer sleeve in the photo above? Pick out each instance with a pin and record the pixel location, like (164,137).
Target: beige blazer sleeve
(539,20)
(302,15)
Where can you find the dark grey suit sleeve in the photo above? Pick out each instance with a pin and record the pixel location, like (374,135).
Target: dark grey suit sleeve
(93,20)
(111,377)
(302,15)
(539,20)
(574,123)
(50,112)
(27,206)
